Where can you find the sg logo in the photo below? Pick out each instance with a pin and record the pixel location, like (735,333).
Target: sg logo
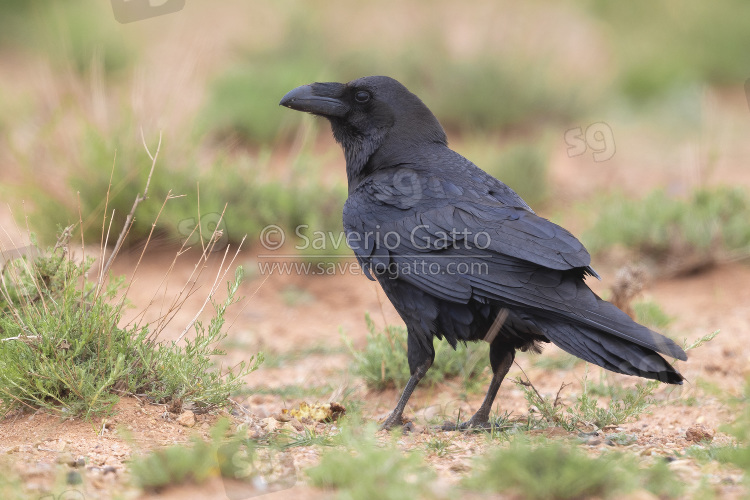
(598,136)
(128,11)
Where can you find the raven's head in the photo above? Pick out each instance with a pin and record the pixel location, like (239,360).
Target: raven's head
(376,120)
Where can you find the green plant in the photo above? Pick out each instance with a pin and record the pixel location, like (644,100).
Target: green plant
(624,404)
(366,469)
(383,362)
(62,347)
(660,227)
(234,196)
(622,438)
(439,446)
(11,486)
(284,439)
(179,464)
(232,457)
(712,452)
(556,470)
(585,411)
(700,45)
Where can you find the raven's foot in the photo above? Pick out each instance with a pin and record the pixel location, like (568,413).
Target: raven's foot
(473,424)
(396,420)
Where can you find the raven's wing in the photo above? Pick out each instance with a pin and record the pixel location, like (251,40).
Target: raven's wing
(457,247)
(482,212)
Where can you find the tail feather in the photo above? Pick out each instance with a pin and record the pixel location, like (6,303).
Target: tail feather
(610,319)
(608,351)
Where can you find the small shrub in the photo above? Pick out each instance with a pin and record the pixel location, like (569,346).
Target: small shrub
(236,193)
(62,349)
(700,229)
(713,452)
(624,404)
(383,363)
(623,438)
(231,457)
(440,447)
(554,470)
(700,44)
(365,469)
(585,411)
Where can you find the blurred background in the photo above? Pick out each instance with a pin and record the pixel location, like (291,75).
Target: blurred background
(627,123)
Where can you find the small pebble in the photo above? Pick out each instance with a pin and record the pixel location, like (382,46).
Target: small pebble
(186,419)
(699,432)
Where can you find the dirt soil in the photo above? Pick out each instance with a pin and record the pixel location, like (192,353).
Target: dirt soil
(296,321)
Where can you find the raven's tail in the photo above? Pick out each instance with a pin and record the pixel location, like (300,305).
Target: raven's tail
(615,353)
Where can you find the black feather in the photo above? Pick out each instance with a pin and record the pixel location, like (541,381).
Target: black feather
(459,254)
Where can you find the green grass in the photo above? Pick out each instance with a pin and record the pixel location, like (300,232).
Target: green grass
(586,411)
(705,453)
(11,485)
(383,362)
(660,227)
(239,187)
(62,347)
(440,447)
(487,90)
(624,404)
(698,43)
(365,468)
(77,34)
(179,464)
(225,455)
(622,438)
(738,452)
(553,470)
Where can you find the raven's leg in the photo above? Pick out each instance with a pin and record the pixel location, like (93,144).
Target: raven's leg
(501,358)
(421,355)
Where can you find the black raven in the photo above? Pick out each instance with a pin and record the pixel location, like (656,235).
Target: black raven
(458,253)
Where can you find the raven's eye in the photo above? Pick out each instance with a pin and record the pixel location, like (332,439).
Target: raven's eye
(362,96)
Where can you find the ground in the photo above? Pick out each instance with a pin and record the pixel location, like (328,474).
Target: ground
(296,320)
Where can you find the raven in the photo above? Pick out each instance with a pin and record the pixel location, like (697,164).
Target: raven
(458,253)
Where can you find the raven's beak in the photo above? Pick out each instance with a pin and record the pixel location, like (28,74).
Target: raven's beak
(306,99)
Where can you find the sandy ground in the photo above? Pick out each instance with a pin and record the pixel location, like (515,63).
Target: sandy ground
(283,315)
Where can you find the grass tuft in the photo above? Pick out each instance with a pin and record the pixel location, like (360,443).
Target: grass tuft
(366,469)
(383,362)
(555,470)
(707,227)
(62,347)
(235,459)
